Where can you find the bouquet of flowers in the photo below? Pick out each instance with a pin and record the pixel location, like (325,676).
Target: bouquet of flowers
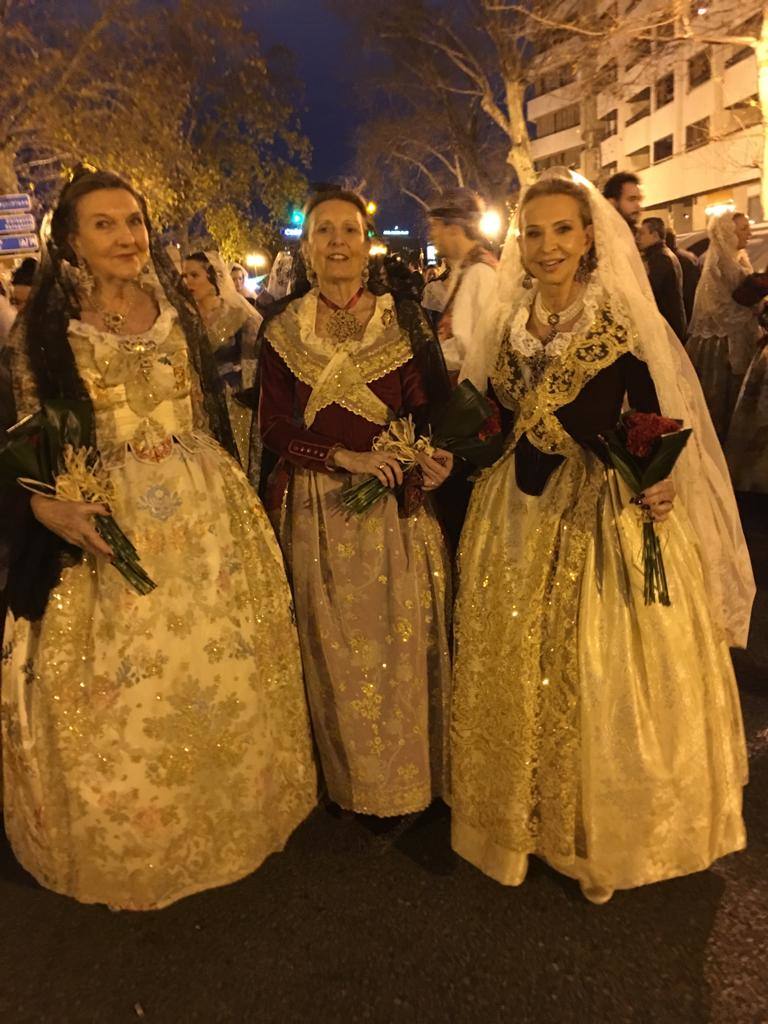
(46,453)
(643,449)
(468,425)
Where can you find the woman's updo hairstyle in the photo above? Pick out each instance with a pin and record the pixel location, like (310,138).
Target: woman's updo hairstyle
(344,195)
(556,186)
(205,263)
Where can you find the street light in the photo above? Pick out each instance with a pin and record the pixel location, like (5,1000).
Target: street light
(490,224)
(371,208)
(378,249)
(256,260)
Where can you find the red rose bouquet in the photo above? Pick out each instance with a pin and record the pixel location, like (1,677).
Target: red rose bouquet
(643,450)
(468,426)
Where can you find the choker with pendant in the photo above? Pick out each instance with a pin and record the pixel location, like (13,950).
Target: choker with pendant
(342,325)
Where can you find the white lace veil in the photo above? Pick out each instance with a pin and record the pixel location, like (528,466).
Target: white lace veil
(231,297)
(715,314)
(701,475)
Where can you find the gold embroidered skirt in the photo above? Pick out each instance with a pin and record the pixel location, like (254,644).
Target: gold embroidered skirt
(372,597)
(600,734)
(157,746)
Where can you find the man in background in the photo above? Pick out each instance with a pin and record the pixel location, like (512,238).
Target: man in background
(664,273)
(691,272)
(622,191)
(454,228)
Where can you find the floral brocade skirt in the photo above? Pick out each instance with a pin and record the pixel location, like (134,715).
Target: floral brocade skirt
(719,381)
(157,746)
(597,732)
(372,597)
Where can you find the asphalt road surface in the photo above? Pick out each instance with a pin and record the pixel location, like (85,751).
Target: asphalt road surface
(345,926)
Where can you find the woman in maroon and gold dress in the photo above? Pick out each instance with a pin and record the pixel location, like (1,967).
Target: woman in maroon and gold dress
(372,592)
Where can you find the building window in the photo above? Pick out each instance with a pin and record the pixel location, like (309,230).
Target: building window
(755,209)
(558,121)
(640,159)
(607,75)
(662,149)
(639,106)
(608,169)
(699,69)
(665,91)
(566,158)
(751,27)
(555,79)
(638,50)
(697,134)
(744,114)
(608,125)
(567,117)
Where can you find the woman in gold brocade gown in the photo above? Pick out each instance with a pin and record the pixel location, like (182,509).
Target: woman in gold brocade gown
(372,592)
(589,729)
(153,746)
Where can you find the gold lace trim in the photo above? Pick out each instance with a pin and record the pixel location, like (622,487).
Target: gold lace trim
(340,374)
(562,380)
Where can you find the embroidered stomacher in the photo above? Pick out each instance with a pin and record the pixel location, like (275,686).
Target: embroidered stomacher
(537,385)
(340,373)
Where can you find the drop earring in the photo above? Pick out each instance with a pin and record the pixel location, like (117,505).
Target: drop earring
(527,281)
(86,282)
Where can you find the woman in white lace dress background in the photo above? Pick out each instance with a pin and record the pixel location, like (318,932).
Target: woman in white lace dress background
(723,336)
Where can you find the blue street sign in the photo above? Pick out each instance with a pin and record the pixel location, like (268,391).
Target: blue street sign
(12,244)
(19,201)
(17,224)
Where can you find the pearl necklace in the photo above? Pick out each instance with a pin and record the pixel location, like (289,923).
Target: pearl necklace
(548,316)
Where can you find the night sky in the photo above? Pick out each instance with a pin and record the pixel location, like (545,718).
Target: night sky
(329,60)
(322,45)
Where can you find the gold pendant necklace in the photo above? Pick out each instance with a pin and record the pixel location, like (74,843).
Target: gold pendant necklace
(112,319)
(342,326)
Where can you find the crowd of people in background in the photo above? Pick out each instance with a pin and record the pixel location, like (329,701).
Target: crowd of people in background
(480,637)
(715,305)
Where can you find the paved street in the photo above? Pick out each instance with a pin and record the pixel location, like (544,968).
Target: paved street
(344,928)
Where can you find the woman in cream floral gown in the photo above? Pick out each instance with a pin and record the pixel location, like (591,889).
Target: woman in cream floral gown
(157,745)
(589,729)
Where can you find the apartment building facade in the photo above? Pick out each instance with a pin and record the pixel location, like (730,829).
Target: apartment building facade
(683,116)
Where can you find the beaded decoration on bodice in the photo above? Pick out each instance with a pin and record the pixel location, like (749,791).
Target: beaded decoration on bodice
(535,380)
(143,392)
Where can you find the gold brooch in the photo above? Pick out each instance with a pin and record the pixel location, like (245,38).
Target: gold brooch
(342,326)
(387,317)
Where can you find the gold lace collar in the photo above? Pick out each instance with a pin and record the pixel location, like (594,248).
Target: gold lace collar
(340,373)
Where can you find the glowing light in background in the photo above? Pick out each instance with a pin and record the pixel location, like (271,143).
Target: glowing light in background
(490,224)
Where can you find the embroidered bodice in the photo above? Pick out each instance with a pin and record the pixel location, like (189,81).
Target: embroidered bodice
(340,373)
(563,395)
(143,391)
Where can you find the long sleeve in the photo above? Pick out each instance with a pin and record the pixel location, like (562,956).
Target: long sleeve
(641,391)
(666,283)
(280,431)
